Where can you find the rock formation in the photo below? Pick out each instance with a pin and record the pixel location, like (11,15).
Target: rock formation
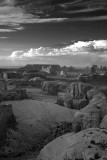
(75,97)
(85,145)
(93,113)
(78,90)
(53,87)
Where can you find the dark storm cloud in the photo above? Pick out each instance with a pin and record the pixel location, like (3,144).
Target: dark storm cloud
(65,8)
(16,13)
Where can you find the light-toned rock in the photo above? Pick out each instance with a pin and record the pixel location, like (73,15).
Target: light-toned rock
(91,115)
(87,118)
(85,145)
(94,94)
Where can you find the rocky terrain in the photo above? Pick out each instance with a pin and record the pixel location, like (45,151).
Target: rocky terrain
(34,127)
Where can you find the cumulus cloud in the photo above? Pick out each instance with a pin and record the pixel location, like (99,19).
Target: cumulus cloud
(16,55)
(79,53)
(95,47)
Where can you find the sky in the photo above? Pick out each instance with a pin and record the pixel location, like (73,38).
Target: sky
(65,32)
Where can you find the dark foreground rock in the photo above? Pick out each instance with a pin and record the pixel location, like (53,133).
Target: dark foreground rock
(89,144)
(7,120)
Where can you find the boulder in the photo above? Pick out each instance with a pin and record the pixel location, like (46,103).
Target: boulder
(104,123)
(78,90)
(85,145)
(53,87)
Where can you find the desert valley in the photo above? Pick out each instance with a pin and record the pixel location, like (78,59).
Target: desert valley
(45,116)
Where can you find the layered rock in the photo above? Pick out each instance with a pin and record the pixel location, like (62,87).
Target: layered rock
(88,144)
(53,87)
(66,100)
(78,90)
(75,97)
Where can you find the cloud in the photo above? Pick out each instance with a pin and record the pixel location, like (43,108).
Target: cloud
(4,37)
(95,47)
(14,17)
(15,13)
(81,53)
(7,30)
(16,55)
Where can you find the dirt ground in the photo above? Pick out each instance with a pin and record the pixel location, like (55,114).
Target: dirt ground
(35,93)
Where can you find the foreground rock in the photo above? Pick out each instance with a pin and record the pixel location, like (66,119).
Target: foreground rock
(7,120)
(37,124)
(53,87)
(86,145)
(93,113)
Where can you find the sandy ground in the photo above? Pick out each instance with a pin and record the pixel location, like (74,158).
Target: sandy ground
(35,94)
